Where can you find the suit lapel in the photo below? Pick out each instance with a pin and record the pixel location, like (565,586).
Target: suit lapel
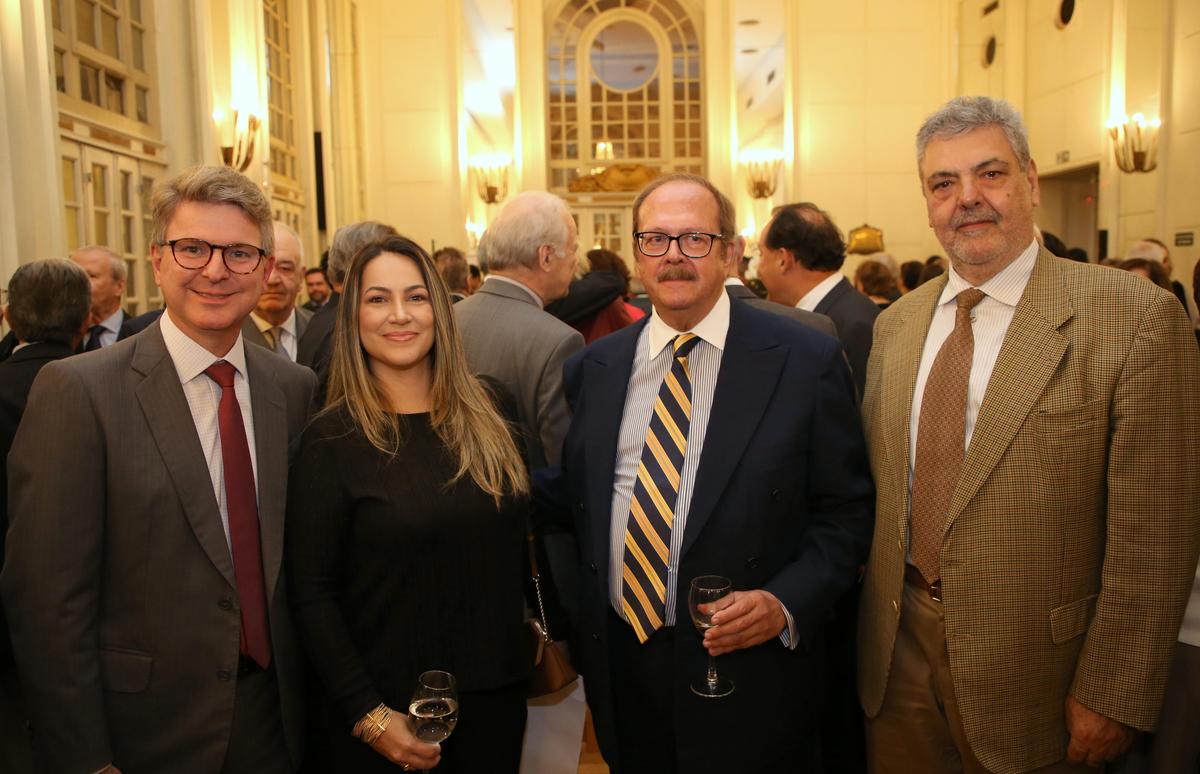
(750,368)
(1032,350)
(251,333)
(165,407)
(607,377)
(269,409)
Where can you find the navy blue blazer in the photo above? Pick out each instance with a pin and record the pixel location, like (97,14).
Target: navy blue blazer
(783,501)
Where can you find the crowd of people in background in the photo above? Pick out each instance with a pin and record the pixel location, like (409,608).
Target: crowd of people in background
(958,499)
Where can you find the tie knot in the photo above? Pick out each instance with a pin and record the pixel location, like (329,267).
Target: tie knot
(97,328)
(684,343)
(968,298)
(222,373)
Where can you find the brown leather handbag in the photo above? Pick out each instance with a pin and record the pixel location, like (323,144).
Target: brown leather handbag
(552,670)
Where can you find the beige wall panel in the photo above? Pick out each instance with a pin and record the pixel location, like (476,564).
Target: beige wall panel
(891,133)
(413,15)
(849,15)
(1186,103)
(895,204)
(837,138)
(834,67)
(1135,228)
(910,15)
(901,68)
(1069,119)
(842,196)
(1187,17)
(1185,194)
(1143,74)
(406,70)
(1139,193)
(415,145)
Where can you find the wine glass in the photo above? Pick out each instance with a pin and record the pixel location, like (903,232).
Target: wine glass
(433,711)
(715,592)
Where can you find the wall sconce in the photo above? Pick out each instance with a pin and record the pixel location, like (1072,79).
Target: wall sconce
(491,176)
(762,168)
(1135,142)
(475,233)
(240,154)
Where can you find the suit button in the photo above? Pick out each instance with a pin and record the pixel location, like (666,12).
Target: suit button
(579,505)
(775,494)
(593,569)
(225,604)
(752,563)
(595,637)
(224,675)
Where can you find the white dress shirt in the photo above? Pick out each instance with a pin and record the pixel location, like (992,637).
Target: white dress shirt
(204,399)
(287,332)
(815,296)
(111,327)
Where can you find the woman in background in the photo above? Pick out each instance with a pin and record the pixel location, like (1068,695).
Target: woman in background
(406,520)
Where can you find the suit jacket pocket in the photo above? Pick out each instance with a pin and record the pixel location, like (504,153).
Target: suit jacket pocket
(1071,620)
(125,671)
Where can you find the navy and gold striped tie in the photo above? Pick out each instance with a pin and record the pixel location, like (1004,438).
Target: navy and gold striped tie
(652,510)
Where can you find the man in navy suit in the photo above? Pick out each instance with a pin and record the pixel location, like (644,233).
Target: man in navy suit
(768,485)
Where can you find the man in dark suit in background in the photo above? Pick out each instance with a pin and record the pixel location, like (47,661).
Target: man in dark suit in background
(712,438)
(317,287)
(735,286)
(48,314)
(802,254)
(106,270)
(148,613)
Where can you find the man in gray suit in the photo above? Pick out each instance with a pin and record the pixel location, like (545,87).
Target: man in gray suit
(276,323)
(737,289)
(530,249)
(147,488)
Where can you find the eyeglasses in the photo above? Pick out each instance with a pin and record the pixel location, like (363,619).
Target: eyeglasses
(195,254)
(694,244)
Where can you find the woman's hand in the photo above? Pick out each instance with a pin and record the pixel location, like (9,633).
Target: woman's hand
(400,746)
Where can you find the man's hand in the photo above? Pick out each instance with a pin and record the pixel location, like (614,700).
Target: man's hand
(752,617)
(1095,739)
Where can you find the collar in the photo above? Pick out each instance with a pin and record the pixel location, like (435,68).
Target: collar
(532,294)
(1007,286)
(713,328)
(818,292)
(288,325)
(733,282)
(190,358)
(113,321)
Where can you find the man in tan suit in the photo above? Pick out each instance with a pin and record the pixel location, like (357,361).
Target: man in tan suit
(1033,426)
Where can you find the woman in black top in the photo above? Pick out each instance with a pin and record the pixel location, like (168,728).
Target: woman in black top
(406,518)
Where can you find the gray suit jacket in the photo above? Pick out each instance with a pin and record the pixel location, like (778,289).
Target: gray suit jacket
(252,334)
(507,337)
(811,319)
(119,582)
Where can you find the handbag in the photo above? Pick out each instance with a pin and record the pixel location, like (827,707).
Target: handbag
(552,670)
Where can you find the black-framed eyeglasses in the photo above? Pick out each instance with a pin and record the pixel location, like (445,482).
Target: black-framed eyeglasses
(693,244)
(195,254)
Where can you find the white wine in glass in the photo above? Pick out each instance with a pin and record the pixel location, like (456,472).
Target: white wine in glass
(433,711)
(715,593)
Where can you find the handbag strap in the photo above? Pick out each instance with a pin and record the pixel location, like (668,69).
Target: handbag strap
(537,586)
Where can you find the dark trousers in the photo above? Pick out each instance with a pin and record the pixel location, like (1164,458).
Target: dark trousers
(643,699)
(256,742)
(16,748)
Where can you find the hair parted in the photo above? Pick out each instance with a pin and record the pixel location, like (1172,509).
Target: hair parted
(726,215)
(463,414)
(531,219)
(348,240)
(808,233)
(49,301)
(964,114)
(211,185)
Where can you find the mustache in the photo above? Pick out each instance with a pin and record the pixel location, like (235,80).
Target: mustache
(980,214)
(675,273)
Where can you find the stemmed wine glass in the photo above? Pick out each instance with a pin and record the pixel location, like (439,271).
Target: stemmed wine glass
(714,592)
(433,711)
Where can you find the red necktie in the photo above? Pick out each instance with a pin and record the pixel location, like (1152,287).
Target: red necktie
(242,504)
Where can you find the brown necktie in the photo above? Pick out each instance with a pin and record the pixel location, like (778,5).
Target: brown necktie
(242,505)
(941,437)
(273,338)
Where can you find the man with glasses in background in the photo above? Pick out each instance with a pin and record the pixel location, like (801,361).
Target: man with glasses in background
(712,438)
(147,490)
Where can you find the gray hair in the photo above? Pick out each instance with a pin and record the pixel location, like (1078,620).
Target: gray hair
(49,301)
(348,240)
(116,262)
(964,114)
(211,185)
(530,220)
(296,236)
(1147,250)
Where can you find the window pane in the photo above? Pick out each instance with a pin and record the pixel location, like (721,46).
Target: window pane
(100,236)
(99,186)
(131,273)
(110,3)
(142,103)
(127,233)
(56,14)
(85,22)
(114,89)
(68,180)
(108,34)
(89,83)
(126,191)
(139,49)
(135,10)
(60,70)
(72,217)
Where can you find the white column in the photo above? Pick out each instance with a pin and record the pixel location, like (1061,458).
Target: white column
(721,98)
(793,104)
(529,103)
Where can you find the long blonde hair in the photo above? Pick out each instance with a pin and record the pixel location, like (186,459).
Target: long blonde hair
(463,414)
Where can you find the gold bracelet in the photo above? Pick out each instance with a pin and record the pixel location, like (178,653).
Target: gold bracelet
(373,724)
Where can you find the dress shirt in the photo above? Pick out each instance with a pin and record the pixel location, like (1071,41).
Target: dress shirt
(204,397)
(813,297)
(110,327)
(287,332)
(532,293)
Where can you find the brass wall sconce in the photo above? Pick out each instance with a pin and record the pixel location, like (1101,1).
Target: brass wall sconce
(762,170)
(240,154)
(491,177)
(1135,142)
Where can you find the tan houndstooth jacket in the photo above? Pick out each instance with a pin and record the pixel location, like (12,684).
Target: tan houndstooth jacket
(1071,541)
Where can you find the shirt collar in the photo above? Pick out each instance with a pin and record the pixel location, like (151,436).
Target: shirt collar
(288,325)
(819,291)
(113,321)
(713,328)
(190,358)
(1007,286)
(533,295)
